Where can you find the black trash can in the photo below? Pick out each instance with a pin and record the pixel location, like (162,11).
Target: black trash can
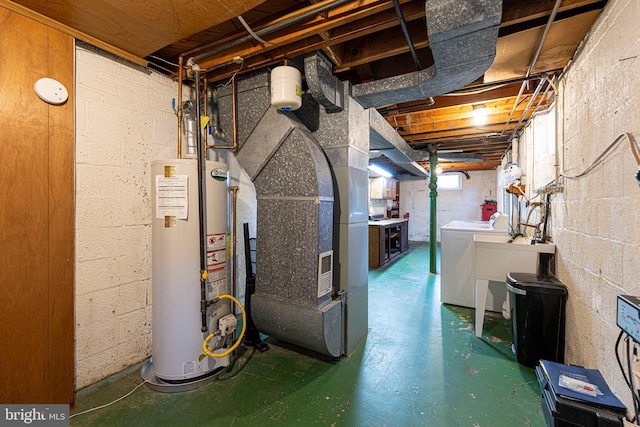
(538,311)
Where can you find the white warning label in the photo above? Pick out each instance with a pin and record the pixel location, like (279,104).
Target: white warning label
(216,241)
(217,280)
(190,367)
(216,257)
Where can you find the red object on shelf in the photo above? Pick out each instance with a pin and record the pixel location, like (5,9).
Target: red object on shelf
(488,209)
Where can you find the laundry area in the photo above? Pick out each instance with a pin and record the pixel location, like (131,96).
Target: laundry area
(337,213)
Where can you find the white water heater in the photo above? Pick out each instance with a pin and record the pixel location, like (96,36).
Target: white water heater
(177,320)
(286,88)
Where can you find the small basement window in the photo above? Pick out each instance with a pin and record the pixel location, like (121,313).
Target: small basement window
(450,181)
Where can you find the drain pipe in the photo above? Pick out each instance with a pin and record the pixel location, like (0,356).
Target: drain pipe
(433,195)
(552,17)
(202,206)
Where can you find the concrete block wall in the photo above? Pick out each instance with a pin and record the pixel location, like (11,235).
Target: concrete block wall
(124,121)
(451,204)
(596,226)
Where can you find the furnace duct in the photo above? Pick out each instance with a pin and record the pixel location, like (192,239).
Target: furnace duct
(294,299)
(462,37)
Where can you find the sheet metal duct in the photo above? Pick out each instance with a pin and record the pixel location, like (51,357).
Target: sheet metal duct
(326,89)
(462,37)
(294,189)
(384,138)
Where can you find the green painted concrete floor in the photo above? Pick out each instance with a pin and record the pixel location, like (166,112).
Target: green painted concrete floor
(420,365)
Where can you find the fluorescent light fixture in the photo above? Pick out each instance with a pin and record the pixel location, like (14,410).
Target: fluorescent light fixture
(379,170)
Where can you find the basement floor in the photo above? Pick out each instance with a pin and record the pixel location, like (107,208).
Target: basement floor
(420,365)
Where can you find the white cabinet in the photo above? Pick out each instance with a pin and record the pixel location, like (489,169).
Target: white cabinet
(383,188)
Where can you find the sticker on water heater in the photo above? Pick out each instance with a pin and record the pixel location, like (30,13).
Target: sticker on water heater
(219,174)
(172,198)
(215,289)
(216,257)
(189,367)
(217,272)
(216,241)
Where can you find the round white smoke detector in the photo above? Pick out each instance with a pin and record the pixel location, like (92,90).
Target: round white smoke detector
(51,91)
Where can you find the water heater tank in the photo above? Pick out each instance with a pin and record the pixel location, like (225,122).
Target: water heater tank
(177,321)
(286,88)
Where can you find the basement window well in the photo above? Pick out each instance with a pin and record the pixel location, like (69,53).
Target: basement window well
(450,181)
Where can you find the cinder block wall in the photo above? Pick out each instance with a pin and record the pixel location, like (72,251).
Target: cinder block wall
(124,121)
(451,204)
(596,225)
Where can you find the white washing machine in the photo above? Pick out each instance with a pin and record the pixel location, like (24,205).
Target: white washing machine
(458,259)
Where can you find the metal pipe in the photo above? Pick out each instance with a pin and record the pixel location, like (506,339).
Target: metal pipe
(433,195)
(544,95)
(202,206)
(234,242)
(405,31)
(179,107)
(528,107)
(547,27)
(204,112)
(268,30)
(234,116)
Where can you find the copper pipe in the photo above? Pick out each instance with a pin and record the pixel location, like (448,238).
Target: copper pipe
(179,107)
(234,242)
(234,116)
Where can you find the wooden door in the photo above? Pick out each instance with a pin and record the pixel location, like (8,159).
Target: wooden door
(36,216)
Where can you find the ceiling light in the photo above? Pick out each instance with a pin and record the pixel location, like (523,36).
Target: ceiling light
(379,170)
(438,170)
(479,114)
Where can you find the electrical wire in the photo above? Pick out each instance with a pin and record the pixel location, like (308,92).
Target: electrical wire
(636,399)
(606,152)
(253,34)
(163,60)
(109,404)
(475,92)
(233,76)
(632,385)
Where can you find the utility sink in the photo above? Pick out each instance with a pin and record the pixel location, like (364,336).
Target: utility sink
(495,257)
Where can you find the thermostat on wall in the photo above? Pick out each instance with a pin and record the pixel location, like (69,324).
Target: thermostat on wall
(51,91)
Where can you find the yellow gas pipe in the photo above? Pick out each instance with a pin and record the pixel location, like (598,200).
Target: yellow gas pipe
(208,350)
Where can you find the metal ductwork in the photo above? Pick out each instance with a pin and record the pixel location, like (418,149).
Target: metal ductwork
(462,37)
(326,89)
(385,139)
(293,300)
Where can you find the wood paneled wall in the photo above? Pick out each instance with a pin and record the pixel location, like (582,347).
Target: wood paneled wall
(36,216)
